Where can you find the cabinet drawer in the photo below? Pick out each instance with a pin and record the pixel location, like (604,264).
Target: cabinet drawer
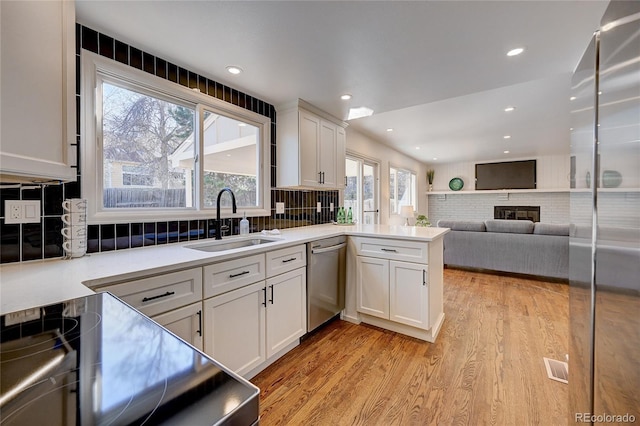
(285,260)
(162,293)
(408,251)
(226,276)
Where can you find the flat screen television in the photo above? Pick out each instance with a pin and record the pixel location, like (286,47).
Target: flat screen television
(506,175)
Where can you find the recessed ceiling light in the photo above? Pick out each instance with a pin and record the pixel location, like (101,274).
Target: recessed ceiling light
(234,70)
(573,98)
(345,97)
(435,158)
(506,152)
(515,52)
(509,109)
(228,155)
(242,124)
(417,147)
(359,112)
(390,129)
(570,128)
(506,137)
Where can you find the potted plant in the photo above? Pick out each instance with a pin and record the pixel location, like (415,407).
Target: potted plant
(430,174)
(422,220)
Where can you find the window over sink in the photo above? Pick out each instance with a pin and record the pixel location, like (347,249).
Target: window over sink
(153,149)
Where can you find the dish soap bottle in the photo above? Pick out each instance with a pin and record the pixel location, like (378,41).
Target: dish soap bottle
(244,225)
(349,216)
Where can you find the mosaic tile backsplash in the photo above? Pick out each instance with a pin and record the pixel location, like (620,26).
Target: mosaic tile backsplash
(43,240)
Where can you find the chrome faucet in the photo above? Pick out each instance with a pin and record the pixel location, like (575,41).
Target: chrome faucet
(233,201)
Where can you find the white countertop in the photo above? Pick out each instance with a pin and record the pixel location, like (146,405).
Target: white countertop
(29,284)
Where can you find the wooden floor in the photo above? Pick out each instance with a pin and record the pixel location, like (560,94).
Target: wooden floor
(486,366)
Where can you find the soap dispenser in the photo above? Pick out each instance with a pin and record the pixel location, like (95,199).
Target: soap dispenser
(244,225)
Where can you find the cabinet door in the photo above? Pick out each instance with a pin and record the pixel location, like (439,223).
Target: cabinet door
(309,149)
(186,323)
(286,309)
(37,81)
(234,324)
(328,150)
(372,286)
(341,146)
(408,294)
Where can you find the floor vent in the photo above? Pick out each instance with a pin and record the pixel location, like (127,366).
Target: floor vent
(557,370)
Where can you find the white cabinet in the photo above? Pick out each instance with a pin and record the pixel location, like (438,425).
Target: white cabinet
(252,325)
(185,322)
(38,125)
(162,293)
(399,285)
(408,295)
(391,290)
(286,310)
(310,148)
(373,286)
(235,324)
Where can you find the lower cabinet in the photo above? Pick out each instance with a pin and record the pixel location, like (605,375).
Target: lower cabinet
(392,290)
(286,309)
(185,322)
(248,326)
(235,324)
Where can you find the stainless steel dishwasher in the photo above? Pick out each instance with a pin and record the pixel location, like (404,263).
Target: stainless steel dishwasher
(326,269)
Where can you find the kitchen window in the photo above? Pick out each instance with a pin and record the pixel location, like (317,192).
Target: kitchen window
(402,189)
(153,149)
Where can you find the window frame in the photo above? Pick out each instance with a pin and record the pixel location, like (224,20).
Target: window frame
(414,194)
(94,70)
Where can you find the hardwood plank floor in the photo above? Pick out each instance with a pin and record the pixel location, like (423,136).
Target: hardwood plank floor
(486,366)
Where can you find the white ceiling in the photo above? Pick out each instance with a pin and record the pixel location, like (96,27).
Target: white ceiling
(434,71)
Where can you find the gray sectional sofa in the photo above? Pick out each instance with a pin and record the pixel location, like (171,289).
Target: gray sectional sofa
(518,246)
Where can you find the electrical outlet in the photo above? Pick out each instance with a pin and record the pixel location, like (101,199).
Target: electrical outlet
(331,207)
(319,207)
(279,208)
(22,211)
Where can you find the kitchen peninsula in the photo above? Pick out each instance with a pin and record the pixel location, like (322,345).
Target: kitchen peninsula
(394,273)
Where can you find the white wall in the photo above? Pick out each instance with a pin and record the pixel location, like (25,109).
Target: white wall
(552,172)
(360,144)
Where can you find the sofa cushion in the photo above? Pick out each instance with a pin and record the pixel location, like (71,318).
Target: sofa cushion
(551,229)
(462,225)
(509,226)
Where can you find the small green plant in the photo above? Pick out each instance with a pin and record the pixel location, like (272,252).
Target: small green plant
(422,220)
(430,174)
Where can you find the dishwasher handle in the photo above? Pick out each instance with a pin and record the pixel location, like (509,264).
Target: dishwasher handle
(327,249)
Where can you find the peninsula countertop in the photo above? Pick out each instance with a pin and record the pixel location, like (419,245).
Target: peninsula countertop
(29,284)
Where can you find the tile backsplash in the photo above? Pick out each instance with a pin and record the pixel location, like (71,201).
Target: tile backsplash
(43,240)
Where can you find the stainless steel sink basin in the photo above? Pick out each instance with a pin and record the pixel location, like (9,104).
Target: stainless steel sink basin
(222,245)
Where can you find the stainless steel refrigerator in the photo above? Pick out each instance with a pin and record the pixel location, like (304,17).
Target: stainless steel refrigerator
(604,268)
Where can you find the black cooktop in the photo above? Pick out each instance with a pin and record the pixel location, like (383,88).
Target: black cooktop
(97,361)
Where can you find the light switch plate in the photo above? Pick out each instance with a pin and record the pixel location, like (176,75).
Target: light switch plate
(319,207)
(279,208)
(21,211)
(331,207)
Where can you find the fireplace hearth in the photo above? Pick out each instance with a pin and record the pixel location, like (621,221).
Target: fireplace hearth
(517,213)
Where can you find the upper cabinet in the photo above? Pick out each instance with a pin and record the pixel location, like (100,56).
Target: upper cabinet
(38,78)
(310,148)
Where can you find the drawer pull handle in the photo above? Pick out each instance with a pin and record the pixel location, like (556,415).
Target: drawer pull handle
(199,323)
(289,260)
(169,293)
(271,300)
(265,296)
(424,277)
(390,250)
(241,273)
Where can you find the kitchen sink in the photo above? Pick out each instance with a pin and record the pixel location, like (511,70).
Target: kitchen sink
(215,246)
